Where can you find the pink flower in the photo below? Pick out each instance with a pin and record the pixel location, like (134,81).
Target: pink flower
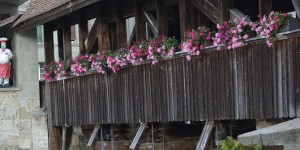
(246,36)
(188,57)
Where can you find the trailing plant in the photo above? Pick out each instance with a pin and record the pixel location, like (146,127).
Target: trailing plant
(231,35)
(269,26)
(195,40)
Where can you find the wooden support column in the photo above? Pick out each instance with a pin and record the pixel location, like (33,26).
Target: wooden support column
(265,7)
(225,5)
(162,19)
(186,10)
(83,33)
(296,4)
(55,138)
(121,26)
(60,43)
(49,44)
(67,41)
(140,24)
(103,34)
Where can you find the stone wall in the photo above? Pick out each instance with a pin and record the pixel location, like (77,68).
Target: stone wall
(17,126)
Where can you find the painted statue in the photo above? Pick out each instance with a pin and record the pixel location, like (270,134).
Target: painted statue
(5,57)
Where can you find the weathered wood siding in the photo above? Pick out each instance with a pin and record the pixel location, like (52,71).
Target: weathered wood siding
(252,82)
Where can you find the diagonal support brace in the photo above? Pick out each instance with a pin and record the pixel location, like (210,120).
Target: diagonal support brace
(138,135)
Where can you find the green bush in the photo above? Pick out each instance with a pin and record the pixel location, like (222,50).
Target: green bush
(232,144)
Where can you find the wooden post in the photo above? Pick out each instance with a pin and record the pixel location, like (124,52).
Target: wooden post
(67,41)
(186,10)
(162,19)
(140,24)
(265,7)
(103,34)
(49,44)
(60,43)
(296,4)
(55,138)
(121,26)
(83,33)
(225,5)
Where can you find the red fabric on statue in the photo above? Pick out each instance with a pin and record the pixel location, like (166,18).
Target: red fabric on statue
(5,70)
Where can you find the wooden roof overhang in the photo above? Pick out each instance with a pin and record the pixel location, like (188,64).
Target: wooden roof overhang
(29,22)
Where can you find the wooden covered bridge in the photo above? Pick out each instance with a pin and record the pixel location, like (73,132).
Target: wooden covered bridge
(250,82)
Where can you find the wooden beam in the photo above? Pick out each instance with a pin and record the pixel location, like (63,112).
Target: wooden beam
(162,20)
(103,34)
(207,10)
(49,44)
(186,10)
(67,42)
(224,7)
(140,24)
(150,19)
(83,33)
(265,7)
(60,43)
(55,138)
(91,37)
(121,26)
(296,4)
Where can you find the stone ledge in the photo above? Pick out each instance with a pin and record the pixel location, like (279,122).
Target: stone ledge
(10,89)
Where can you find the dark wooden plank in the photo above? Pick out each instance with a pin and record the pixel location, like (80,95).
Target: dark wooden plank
(186,11)
(274,83)
(284,78)
(60,44)
(162,20)
(290,78)
(265,7)
(103,34)
(224,6)
(67,42)
(121,26)
(48,44)
(55,138)
(296,54)
(140,24)
(83,33)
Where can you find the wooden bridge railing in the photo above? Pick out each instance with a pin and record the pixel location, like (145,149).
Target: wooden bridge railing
(251,82)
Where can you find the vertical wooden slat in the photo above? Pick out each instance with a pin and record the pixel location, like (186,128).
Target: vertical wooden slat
(140,24)
(162,19)
(83,33)
(49,44)
(67,41)
(186,10)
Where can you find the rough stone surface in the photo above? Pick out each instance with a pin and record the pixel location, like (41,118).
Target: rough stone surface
(280,134)
(21,128)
